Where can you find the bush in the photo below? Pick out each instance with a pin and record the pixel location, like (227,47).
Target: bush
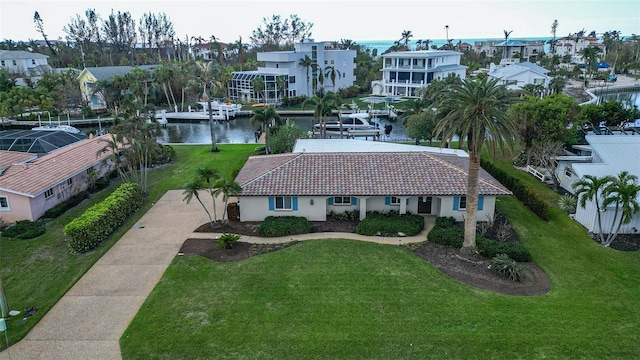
(450,236)
(102,219)
(390,224)
(445,222)
(24,229)
(274,226)
(61,208)
(227,241)
(505,265)
(346,216)
(568,203)
(526,196)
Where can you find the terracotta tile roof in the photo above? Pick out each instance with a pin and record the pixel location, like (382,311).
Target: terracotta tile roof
(8,158)
(360,174)
(37,176)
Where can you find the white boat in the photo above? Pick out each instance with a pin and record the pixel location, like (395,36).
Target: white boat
(219,112)
(354,126)
(51,127)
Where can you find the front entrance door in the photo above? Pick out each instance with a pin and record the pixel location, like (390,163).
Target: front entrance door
(424,204)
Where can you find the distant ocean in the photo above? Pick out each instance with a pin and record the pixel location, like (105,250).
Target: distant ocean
(383,45)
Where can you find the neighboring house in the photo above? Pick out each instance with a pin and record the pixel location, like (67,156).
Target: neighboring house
(90,76)
(405,71)
(209,51)
(524,49)
(573,45)
(286,65)
(517,75)
(319,179)
(37,141)
(31,185)
(605,155)
(27,64)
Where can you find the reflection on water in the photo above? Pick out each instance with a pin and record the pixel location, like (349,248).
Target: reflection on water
(627,98)
(240,131)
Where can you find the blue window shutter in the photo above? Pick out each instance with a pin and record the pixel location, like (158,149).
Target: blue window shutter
(272,205)
(353,200)
(294,203)
(387,200)
(331,201)
(480,202)
(456,202)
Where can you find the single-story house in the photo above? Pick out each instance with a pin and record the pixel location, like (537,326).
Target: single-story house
(31,185)
(518,75)
(362,175)
(605,155)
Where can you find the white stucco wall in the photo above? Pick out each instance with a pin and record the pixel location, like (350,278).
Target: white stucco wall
(588,218)
(256,208)
(446,209)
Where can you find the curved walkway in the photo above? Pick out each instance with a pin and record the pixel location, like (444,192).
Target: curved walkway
(88,321)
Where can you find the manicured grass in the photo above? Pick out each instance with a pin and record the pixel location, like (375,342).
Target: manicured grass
(37,272)
(337,299)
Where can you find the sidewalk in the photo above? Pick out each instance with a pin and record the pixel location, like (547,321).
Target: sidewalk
(88,321)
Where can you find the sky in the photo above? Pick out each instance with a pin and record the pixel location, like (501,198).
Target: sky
(358,20)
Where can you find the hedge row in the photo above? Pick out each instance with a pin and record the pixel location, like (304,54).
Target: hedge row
(445,232)
(24,229)
(526,196)
(102,219)
(392,223)
(274,226)
(61,208)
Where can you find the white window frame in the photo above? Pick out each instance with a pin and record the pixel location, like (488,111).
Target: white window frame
(5,207)
(48,193)
(395,201)
(463,203)
(342,201)
(283,203)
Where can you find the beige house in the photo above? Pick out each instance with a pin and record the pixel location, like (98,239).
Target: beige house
(31,185)
(346,175)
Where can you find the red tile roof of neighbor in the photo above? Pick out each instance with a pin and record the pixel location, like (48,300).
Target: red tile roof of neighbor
(34,177)
(361,174)
(8,158)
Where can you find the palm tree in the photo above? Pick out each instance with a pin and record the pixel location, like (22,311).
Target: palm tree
(323,106)
(477,109)
(258,87)
(588,188)
(406,35)
(112,146)
(306,63)
(330,72)
(191,190)
(264,116)
(506,41)
(207,78)
(227,188)
(590,56)
(281,86)
(208,175)
(623,191)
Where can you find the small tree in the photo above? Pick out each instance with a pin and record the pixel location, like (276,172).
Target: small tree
(191,190)
(209,175)
(622,191)
(589,188)
(226,188)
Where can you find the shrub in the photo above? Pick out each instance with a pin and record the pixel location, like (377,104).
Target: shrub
(346,216)
(227,241)
(568,203)
(451,236)
(61,208)
(392,223)
(100,220)
(274,226)
(505,265)
(24,229)
(444,222)
(490,248)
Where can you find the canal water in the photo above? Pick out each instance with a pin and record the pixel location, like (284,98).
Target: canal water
(240,131)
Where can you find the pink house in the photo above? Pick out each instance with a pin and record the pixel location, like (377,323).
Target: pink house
(31,185)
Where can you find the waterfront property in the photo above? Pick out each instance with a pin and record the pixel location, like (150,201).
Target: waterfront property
(517,75)
(525,49)
(31,185)
(605,155)
(90,76)
(405,71)
(325,176)
(573,45)
(283,75)
(25,63)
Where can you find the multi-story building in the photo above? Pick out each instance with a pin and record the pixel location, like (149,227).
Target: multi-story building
(527,50)
(405,71)
(283,74)
(573,45)
(27,64)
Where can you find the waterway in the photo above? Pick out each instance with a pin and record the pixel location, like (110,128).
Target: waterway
(627,98)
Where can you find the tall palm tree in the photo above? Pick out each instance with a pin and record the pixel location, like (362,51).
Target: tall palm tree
(226,188)
(264,116)
(306,63)
(258,87)
(589,187)
(191,190)
(590,56)
(506,42)
(207,78)
(623,191)
(323,106)
(331,72)
(477,109)
(209,175)
(281,86)
(406,35)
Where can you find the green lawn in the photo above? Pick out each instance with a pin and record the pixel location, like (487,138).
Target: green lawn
(336,299)
(37,272)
